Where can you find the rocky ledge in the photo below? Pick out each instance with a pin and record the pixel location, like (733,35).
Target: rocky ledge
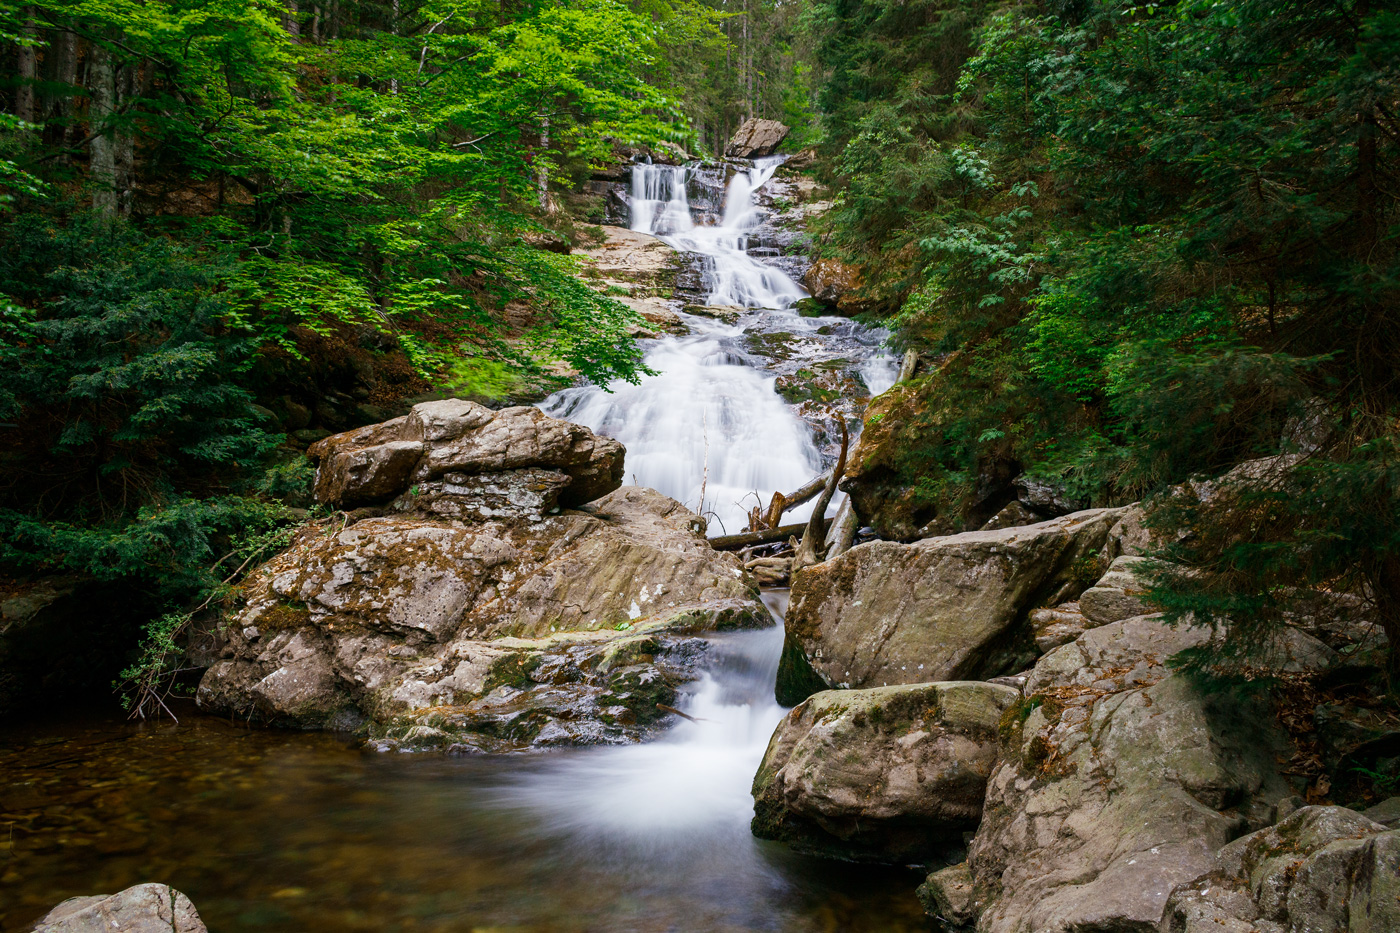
(948,608)
(467,609)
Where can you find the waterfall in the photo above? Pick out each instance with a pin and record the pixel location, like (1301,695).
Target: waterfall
(710,421)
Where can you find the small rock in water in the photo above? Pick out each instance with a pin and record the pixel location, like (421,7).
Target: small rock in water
(144,908)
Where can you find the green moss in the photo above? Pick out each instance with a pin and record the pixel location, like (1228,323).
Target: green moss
(287,614)
(512,670)
(797,679)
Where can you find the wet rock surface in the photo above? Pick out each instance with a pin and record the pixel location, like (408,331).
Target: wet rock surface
(887,774)
(939,609)
(447,627)
(143,908)
(1117,781)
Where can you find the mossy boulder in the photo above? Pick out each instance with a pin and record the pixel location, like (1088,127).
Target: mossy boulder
(1117,780)
(889,774)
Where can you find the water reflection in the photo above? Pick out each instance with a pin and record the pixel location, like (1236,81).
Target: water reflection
(299,832)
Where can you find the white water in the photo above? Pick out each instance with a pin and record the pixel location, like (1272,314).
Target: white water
(709,425)
(692,782)
(709,430)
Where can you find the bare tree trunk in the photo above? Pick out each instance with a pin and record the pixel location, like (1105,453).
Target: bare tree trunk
(843,530)
(394,30)
(102,164)
(124,144)
(290,21)
(541,165)
(28,71)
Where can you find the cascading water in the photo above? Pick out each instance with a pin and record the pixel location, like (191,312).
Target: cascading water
(709,424)
(710,430)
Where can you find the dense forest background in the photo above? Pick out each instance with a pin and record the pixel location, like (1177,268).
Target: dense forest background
(1134,244)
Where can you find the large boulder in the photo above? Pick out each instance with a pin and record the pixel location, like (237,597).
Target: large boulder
(478,631)
(887,774)
(381,461)
(837,284)
(143,908)
(1117,781)
(949,608)
(1319,869)
(755,139)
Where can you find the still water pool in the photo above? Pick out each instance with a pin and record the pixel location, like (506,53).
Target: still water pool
(277,831)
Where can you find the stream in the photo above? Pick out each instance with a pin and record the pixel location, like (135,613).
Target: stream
(279,831)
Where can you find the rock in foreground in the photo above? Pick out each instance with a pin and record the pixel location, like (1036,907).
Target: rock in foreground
(143,908)
(887,774)
(1117,781)
(1320,868)
(945,608)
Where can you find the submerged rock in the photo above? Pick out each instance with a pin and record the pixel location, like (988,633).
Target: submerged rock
(886,774)
(945,608)
(1320,868)
(1117,781)
(481,632)
(142,908)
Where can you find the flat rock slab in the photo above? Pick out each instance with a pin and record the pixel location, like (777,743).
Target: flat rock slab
(886,774)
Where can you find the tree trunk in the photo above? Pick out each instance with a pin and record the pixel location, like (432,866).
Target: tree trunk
(290,21)
(843,530)
(28,72)
(102,105)
(541,163)
(124,144)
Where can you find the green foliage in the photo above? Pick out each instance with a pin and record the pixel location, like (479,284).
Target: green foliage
(266,190)
(1151,242)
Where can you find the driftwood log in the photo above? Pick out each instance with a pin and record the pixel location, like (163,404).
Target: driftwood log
(813,544)
(750,538)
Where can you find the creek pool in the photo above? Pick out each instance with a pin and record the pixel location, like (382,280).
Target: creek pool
(279,831)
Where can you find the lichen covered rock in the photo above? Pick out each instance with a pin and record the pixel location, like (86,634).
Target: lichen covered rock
(457,437)
(1117,781)
(756,138)
(1318,869)
(142,908)
(886,774)
(483,633)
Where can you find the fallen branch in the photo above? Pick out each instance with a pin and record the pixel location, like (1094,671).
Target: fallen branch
(672,709)
(749,538)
